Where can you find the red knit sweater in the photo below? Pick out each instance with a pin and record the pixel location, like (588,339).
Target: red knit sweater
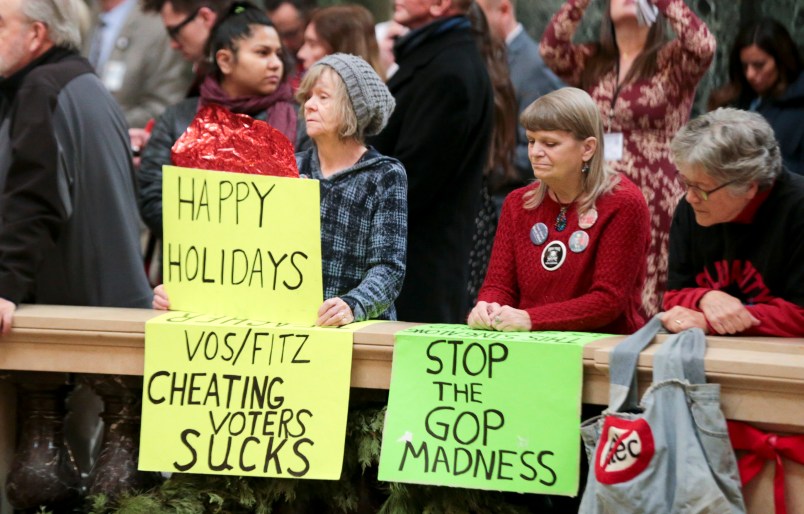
(598,289)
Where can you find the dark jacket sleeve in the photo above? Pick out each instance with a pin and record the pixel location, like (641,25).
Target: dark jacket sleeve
(168,128)
(681,269)
(33,211)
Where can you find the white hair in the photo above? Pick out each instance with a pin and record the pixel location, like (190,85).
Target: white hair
(730,144)
(61,18)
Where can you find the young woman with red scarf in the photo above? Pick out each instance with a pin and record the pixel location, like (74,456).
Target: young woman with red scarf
(248,76)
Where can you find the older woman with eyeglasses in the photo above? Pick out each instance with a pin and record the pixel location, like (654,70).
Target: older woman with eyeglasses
(737,238)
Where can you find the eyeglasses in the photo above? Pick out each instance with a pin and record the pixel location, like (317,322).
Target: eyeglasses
(700,193)
(174,30)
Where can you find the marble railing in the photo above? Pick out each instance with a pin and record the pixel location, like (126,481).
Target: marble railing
(52,348)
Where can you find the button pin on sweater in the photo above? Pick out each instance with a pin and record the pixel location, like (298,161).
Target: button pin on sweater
(538,233)
(587,219)
(578,241)
(553,255)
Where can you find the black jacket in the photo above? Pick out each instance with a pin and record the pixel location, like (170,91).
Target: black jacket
(168,128)
(440,130)
(760,262)
(786,115)
(69,232)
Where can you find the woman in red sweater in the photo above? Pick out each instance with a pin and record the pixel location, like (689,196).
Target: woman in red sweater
(570,249)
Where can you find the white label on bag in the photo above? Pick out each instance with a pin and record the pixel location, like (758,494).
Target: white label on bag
(625,450)
(621,451)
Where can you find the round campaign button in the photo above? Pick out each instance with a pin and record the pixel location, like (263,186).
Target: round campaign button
(538,233)
(588,219)
(553,255)
(578,241)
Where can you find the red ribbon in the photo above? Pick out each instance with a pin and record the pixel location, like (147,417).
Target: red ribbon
(761,447)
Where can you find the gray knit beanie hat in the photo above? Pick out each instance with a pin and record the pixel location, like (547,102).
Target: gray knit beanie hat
(371,100)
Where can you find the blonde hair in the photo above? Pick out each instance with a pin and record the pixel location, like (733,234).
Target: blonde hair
(571,110)
(346,113)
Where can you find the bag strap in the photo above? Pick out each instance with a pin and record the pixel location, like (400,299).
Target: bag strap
(623,389)
(681,357)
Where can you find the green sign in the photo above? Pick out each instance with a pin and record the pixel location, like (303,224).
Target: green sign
(485,410)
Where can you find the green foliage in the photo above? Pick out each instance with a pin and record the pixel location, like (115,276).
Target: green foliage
(365,432)
(356,491)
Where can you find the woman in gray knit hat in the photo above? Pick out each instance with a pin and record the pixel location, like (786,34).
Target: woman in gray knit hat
(363,193)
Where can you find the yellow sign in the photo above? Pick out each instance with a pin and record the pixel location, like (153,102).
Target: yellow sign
(232,396)
(244,245)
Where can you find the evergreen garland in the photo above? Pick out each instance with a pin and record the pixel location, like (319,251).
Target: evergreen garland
(358,491)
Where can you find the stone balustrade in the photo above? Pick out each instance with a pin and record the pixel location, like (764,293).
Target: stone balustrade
(762,382)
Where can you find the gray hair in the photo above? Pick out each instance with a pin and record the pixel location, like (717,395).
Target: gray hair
(730,144)
(61,18)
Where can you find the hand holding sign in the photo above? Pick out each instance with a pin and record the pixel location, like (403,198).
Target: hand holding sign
(160,301)
(334,313)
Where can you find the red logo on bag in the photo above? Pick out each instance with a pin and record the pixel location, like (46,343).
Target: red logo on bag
(624,451)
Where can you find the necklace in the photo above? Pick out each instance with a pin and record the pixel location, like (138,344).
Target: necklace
(561,219)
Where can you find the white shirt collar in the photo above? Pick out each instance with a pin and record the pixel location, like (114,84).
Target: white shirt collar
(513,34)
(113,22)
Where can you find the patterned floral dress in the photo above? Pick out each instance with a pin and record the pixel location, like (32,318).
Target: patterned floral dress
(648,112)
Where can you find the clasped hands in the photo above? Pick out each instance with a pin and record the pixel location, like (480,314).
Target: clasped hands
(493,316)
(723,312)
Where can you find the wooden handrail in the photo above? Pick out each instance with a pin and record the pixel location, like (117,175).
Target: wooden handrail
(762,379)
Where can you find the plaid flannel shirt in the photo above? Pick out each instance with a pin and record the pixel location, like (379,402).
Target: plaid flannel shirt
(364,227)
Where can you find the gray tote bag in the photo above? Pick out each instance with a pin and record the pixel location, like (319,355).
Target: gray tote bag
(669,454)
